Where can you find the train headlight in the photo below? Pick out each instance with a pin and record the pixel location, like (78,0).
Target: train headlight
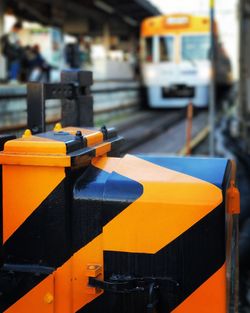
(150,73)
(205,73)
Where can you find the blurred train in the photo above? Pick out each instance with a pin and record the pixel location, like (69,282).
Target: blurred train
(175,61)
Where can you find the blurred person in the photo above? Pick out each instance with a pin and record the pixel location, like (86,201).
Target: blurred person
(12,50)
(135,63)
(78,54)
(34,65)
(84,51)
(72,55)
(27,58)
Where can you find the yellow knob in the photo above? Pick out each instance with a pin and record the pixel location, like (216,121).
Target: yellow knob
(58,127)
(48,298)
(27,133)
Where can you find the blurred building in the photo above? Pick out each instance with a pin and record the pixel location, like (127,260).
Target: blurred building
(106,32)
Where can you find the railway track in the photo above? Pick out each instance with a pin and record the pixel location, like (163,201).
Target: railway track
(151,131)
(149,128)
(159,132)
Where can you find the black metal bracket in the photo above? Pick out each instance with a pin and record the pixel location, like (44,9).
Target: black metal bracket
(74,87)
(27,268)
(127,284)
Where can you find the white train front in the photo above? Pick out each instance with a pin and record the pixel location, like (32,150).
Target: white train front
(175,61)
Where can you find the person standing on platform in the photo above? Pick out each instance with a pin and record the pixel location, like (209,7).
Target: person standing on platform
(12,50)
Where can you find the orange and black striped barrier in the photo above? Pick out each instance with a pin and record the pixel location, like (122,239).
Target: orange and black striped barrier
(84,231)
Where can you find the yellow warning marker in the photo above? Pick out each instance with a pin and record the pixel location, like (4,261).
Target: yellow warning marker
(58,127)
(27,133)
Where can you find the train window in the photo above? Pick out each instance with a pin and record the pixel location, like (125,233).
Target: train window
(195,47)
(166,49)
(148,49)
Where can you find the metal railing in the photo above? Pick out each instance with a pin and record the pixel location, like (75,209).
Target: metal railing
(109,98)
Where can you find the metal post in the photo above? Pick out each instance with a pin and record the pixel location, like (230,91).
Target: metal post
(189,128)
(77,102)
(79,110)
(2,59)
(36,97)
(212,83)
(106,36)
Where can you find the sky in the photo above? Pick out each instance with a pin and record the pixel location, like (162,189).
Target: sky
(194,6)
(226,16)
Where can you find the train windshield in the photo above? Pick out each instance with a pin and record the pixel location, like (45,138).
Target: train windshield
(148,49)
(195,47)
(166,49)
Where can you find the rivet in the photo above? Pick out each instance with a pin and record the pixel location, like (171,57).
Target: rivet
(48,298)
(78,133)
(91,267)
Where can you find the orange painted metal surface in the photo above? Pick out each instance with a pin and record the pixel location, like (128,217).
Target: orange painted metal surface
(35,145)
(102,149)
(68,284)
(93,136)
(39,300)
(24,188)
(187,198)
(35,150)
(210,297)
(178,201)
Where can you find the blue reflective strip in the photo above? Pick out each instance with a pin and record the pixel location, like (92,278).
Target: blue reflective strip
(211,170)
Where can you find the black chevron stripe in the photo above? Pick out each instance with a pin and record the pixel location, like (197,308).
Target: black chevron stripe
(33,244)
(3,140)
(67,220)
(190,259)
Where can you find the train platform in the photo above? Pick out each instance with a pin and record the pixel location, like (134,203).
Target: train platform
(110,98)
